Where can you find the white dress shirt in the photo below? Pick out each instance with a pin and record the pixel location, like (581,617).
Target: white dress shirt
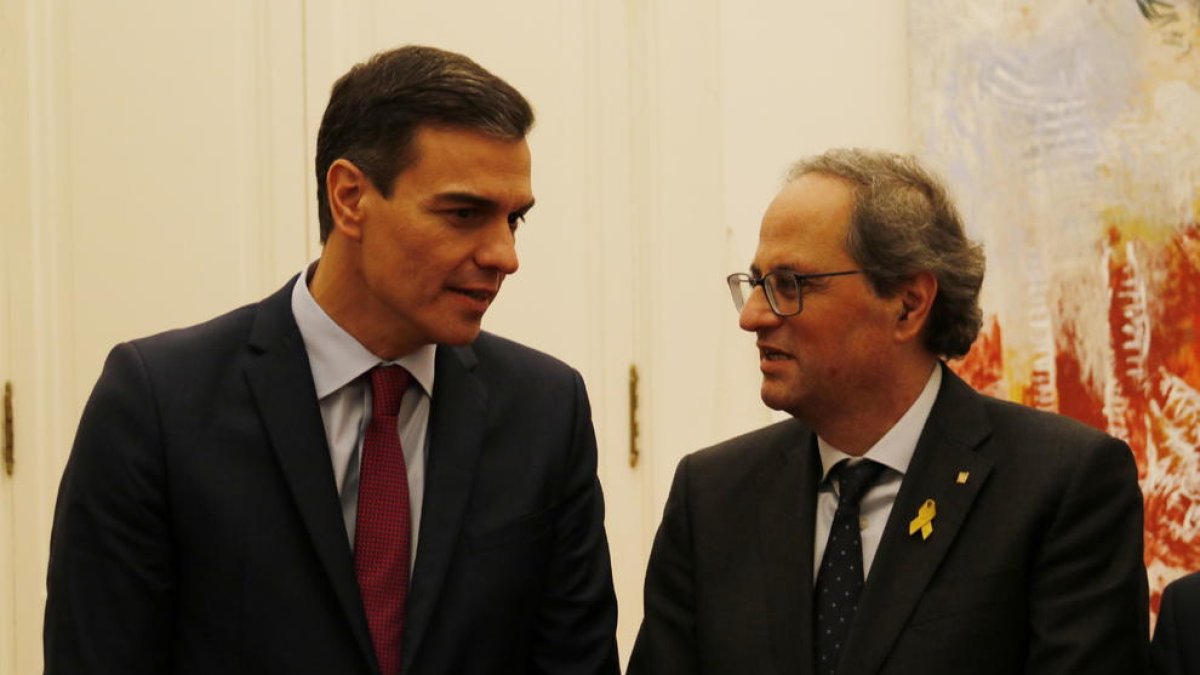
(339,364)
(894,451)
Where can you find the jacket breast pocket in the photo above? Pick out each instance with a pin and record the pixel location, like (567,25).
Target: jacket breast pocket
(952,598)
(525,531)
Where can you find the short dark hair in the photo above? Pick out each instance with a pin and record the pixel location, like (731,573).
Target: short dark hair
(904,222)
(376,108)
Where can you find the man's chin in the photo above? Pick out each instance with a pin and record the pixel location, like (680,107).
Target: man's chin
(776,396)
(771,398)
(459,336)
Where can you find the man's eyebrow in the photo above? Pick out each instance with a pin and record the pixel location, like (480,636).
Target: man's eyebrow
(472,199)
(755,270)
(468,198)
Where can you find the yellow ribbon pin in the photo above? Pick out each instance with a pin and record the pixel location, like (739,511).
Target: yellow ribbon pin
(924,520)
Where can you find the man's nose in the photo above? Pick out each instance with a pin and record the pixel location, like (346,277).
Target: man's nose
(756,313)
(499,249)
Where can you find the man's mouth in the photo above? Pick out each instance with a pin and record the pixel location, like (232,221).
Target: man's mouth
(768,353)
(483,295)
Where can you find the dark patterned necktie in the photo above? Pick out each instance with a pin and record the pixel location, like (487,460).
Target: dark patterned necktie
(840,581)
(383,529)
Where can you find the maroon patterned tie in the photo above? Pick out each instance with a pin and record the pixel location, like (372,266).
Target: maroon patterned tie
(382,532)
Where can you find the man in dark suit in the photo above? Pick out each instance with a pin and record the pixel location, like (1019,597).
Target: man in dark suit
(1171,651)
(348,477)
(901,523)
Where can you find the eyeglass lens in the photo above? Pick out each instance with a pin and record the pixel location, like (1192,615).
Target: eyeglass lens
(782,290)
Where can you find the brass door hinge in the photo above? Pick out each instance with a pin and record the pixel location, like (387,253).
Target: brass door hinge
(633,417)
(8,430)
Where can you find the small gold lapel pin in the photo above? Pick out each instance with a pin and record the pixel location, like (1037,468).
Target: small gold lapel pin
(962,477)
(924,520)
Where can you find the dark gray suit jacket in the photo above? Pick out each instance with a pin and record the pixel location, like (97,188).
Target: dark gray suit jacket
(198,529)
(1034,566)
(1172,652)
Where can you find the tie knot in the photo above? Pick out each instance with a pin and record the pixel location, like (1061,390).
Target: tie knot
(855,479)
(387,389)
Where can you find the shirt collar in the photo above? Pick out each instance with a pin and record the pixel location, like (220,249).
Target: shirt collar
(335,357)
(895,449)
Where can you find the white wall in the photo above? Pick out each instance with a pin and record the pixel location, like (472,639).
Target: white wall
(162,159)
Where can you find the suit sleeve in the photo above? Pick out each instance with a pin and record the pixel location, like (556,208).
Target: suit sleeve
(1171,652)
(111,581)
(666,641)
(577,622)
(1089,607)
(1165,650)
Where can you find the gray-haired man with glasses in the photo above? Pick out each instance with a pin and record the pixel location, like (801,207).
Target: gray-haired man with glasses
(901,522)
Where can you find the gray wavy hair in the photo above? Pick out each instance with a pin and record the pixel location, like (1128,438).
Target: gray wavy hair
(904,223)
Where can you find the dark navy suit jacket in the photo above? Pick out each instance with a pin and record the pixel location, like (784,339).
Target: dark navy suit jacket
(1176,646)
(198,529)
(1034,565)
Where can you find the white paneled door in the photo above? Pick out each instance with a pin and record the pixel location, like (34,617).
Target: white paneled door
(7,511)
(154,162)
(19,646)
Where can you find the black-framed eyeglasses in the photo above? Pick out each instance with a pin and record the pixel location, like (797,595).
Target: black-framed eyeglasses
(784,289)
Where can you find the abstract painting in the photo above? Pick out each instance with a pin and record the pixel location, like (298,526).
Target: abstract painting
(1069,132)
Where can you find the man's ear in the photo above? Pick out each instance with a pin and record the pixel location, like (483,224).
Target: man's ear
(347,187)
(916,295)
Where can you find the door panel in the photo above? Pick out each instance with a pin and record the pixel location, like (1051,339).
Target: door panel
(15,644)
(157,180)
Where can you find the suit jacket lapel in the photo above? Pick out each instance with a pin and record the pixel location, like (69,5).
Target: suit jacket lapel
(456,425)
(905,564)
(788,485)
(282,384)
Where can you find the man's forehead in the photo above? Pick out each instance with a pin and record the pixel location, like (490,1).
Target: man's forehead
(799,246)
(804,228)
(458,161)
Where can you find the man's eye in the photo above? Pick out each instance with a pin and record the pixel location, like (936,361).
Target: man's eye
(515,220)
(785,286)
(463,213)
